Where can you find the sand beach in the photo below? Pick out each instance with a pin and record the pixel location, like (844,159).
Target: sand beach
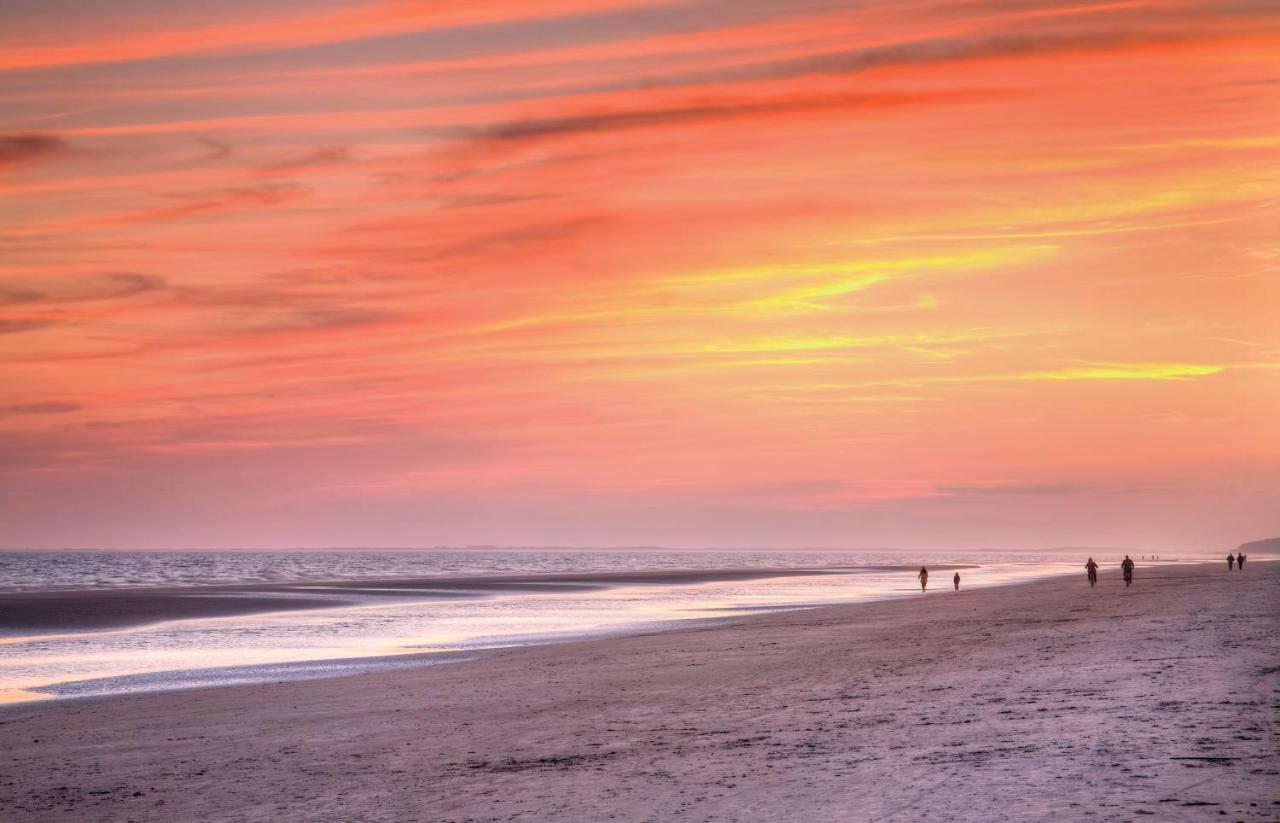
(1036,701)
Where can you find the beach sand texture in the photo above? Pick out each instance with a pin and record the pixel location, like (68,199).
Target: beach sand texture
(1039,701)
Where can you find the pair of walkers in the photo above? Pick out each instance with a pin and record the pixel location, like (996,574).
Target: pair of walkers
(1236,559)
(1126,566)
(923,577)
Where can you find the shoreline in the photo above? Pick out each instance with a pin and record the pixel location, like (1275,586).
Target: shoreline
(1057,700)
(92,610)
(333,668)
(280,672)
(408,591)
(69,611)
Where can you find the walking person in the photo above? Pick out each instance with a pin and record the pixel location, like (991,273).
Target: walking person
(956,580)
(1240,560)
(1231,562)
(923,577)
(1092,569)
(1127,568)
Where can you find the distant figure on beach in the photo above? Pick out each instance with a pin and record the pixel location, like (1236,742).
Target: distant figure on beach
(1240,560)
(1127,567)
(1231,561)
(956,580)
(1092,569)
(923,577)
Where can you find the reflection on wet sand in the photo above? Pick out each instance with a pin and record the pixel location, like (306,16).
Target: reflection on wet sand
(92,642)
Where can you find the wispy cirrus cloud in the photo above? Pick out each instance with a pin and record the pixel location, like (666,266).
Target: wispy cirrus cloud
(1012,489)
(586,124)
(81,287)
(265,30)
(19,149)
(43,408)
(318,158)
(183,205)
(14,325)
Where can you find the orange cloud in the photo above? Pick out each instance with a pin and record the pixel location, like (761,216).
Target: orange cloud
(725,262)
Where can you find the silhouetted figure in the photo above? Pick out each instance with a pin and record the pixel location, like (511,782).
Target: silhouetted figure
(956,580)
(923,577)
(1127,567)
(1240,560)
(1231,562)
(1092,569)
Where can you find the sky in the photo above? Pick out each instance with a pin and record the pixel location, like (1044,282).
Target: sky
(695,273)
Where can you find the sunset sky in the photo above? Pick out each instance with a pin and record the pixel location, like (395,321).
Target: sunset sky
(946,273)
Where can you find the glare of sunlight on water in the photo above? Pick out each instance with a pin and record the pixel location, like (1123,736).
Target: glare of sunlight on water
(397,622)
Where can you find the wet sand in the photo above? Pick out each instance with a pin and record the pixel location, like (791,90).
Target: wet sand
(1036,701)
(30,613)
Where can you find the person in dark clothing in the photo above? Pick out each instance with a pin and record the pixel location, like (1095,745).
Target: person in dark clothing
(1092,569)
(923,577)
(1127,567)
(956,580)
(1240,560)
(1231,562)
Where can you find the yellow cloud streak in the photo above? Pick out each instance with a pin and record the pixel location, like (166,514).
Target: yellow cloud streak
(872,271)
(1126,371)
(664,295)
(808,296)
(1101,371)
(827,391)
(837,342)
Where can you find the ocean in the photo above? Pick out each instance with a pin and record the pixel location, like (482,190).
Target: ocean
(351,611)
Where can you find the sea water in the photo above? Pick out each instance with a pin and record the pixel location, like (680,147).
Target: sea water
(385,632)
